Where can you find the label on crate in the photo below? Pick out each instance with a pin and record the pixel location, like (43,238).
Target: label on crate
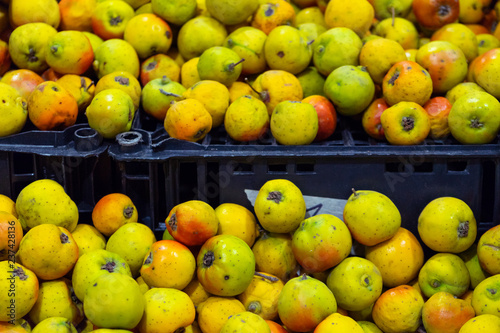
(314,205)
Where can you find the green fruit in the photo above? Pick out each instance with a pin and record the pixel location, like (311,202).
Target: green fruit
(444,272)
(231,12)
(350,88)
(286,48)
(220,64)
(294,123)
(111,112)
(176,12)
(222,271)
(115,55)
(312,82)
(45,201)
(114,301)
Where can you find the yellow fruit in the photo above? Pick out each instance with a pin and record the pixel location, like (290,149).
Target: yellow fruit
(261,296)
(215,311)
(236,220)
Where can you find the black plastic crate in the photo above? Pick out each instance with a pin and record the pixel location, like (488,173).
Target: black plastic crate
(219,170)
(76,158)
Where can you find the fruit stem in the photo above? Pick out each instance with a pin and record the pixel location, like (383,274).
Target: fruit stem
(354,192)
(304,276)
(165,79)
(393,14)
(270,278)
(231,66)
(166,93)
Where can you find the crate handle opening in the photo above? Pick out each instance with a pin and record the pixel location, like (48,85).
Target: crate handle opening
(87,139)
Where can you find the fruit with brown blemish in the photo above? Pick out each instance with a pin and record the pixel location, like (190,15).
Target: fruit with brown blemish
(475,118)
(192,222)
(486,296)
(19,286)
(110,18)
(148,34)
(433,14)
(94,264)
(225,265)
(48,250)
(280,206)
(113,211)
(158,66)
(188,120)
(407,81)
(132,241)
(405,123)
(286,48)
(271,14)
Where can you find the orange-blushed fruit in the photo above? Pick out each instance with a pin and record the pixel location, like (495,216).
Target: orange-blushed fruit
(398,309)
(371,119)
(51,107)
(327,117)
(168,264)
(112,211)
(405,123)
(157,66)
(188,120)
(399,258)
(407,81)
(192,222)
(273,13)
(23,80)
(11,233)
(438,108)
(76,14)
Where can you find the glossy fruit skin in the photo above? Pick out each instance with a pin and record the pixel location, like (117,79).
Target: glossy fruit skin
(475,118)
(399,258)
(317,303)
(225,265)
(405,123)
(321,242)
(433,14)
(165,261)
(444,313)
(192,222)
(445,63)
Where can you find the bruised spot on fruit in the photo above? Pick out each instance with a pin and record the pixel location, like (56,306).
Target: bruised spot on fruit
(463,229)
(270,10)
(55,89)
(408,123)
(168,34)
(435,283)
(151,65)
(275,196)
(226,277)
(54,48)
(109,266)
(492,291)
(19,272)
(115,20)
(208,259)
(64,238)
(172,222)
(32,55)
(393,78)
(149,259)
(281,54)
(124,81)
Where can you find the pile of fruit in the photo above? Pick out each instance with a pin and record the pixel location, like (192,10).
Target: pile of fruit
(228,270)
(406,70)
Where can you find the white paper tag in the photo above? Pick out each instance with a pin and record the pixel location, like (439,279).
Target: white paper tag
(314,205)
